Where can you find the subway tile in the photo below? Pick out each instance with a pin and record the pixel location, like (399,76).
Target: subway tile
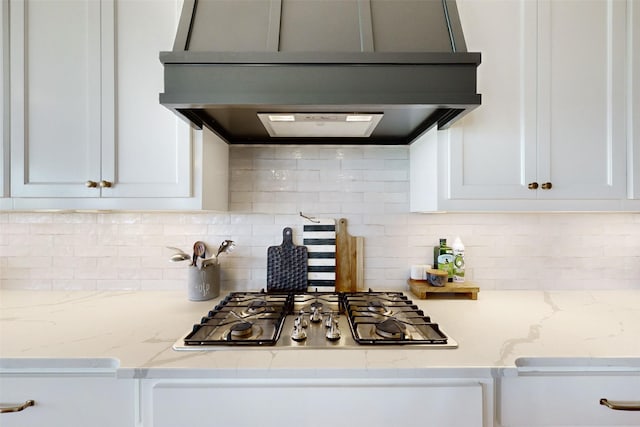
(308,175)
(318,186)
(297,152)
(15,273)
(30,218)
(185,229)
(386,175)
(68,284)
(106,285)
(387,153)
(342,153)
(365,165)
(120,218)
(355,208)
(241,197)
(321,164)
(396,164)
(240,207)
(26,284)
(398,208)
(274,164)
(29,262)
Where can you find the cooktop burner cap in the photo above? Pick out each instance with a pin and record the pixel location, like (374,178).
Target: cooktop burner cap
(391,328)
(241,329)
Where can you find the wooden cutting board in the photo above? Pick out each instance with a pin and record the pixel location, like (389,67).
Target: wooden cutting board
(287,265)
(349,260)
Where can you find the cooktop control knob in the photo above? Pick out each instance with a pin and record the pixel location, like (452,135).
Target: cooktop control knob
(303,320)
(298,334)
(333,332)
(316,316)
(328,321)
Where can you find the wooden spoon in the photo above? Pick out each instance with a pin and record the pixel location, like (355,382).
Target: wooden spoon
(199,250)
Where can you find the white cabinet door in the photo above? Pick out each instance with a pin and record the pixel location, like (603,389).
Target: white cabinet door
(151,150)
(311,402)
(4,105)
(634,105)
(68,401)
(55,69)
(567,400)
(493,149)
(554,93)
(581,99)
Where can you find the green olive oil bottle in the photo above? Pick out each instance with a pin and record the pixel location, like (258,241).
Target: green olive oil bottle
(443,258)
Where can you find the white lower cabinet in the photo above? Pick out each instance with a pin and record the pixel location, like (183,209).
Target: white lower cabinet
(568,399)
(312,402)
(67,400)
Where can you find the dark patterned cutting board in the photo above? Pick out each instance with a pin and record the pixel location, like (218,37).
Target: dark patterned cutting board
(287,265)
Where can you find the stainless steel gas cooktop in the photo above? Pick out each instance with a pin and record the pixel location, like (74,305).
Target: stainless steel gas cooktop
(315,320)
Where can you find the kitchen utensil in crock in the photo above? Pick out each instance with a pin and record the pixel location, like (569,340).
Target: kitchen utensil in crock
(199,250)
(226,246)
(179,254)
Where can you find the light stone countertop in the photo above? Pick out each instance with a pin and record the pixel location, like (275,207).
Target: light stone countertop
(133,332)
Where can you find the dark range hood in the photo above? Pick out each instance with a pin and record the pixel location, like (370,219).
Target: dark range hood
(320,71)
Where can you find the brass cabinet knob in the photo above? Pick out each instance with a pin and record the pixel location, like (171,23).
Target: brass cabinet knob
(546,186)
(533,186)
(105,184)
(91,184)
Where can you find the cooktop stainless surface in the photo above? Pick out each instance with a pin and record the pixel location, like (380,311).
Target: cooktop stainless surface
(364,320)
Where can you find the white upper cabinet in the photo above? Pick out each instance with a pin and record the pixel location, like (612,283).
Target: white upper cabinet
(493,147)
(581,99)
(634,105)
(551,131)
(56,125)
(152,147)
(4,106)
(87,129)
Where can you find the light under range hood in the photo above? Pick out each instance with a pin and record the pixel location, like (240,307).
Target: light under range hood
(320,71)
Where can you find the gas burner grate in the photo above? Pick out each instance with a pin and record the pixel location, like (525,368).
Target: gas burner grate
(243,318)
(384,318)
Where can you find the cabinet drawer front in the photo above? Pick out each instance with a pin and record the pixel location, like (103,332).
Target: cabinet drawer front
(567,401)
(65,402)
(313,403)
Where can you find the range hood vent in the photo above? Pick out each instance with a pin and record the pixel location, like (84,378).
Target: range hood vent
(294,71)
(319,125)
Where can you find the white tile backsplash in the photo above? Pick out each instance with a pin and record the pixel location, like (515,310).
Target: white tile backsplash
(270,185)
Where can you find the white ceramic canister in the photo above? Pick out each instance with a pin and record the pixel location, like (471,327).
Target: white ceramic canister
(203,283)
(419,271)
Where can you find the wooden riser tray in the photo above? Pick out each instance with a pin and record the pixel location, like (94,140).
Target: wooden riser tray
(423,290)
